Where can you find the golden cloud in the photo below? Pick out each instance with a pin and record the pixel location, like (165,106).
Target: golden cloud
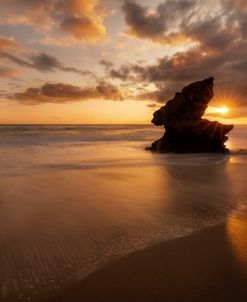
(84,29)
(8,72)
(75,20)
(7,42)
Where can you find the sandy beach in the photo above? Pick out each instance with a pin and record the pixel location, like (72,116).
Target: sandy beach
(85,216)
(204,266)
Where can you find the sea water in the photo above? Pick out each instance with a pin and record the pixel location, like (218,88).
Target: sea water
(73,198)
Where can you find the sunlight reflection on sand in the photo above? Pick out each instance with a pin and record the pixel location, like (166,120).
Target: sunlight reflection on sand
(236,231)
(68,208)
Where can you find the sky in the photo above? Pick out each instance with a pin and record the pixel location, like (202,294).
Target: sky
(117,61)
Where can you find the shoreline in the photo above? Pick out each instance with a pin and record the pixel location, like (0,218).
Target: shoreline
(198,267)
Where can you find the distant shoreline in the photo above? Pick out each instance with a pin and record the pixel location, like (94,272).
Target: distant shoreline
(78,125)
(48,124)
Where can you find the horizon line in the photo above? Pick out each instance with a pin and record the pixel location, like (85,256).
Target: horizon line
(27,124)
(83,124)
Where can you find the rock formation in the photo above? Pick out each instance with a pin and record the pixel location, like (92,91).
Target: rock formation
(186,131)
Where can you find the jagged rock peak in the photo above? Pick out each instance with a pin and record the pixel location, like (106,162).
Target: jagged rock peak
(186,131)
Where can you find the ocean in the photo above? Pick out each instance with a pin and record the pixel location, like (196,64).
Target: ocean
(75,197)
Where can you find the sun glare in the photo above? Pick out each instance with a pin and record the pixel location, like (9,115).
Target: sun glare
(222,110)
(218,110)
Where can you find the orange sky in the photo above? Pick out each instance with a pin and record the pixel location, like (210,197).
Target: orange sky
(105,61)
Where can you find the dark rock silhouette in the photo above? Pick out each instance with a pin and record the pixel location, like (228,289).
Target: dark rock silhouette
(186,131)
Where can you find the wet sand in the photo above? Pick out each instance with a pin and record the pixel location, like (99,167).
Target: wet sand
(204,266)
(74,199)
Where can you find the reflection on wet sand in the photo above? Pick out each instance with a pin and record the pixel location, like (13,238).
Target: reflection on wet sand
(68,208)
(60,226)
(236,231)
(200,267)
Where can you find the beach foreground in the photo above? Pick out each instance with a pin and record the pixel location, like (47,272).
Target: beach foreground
(86,214)
(205,266)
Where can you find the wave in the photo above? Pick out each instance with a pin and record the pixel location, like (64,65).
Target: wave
(238,152)
(162,160)
(12,135)
(67,127)
(62,134)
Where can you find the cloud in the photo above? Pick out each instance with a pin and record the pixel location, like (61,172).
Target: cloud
(73,20)
(8,72)
(169,74)
(217,35)
(212,25)
(109,91)
(66,93)
(83,28)
(30,58)
(123,73)
(142,22)
(15,59)
(45,62)
(152,105)
(159,95)
(106,64)
(8,43)
(156,24)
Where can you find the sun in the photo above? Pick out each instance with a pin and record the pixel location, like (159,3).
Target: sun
(222,110)
(218,110)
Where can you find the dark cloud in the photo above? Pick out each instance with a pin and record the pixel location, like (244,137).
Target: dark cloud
(212,34)
(64,93)
(109,91)
(123,73)
(142,22)
(106,64)
(169,74)
(16,53)
(45,62)
(203,22)
(159,95)
(217,35)
(15,59)
(156,24)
